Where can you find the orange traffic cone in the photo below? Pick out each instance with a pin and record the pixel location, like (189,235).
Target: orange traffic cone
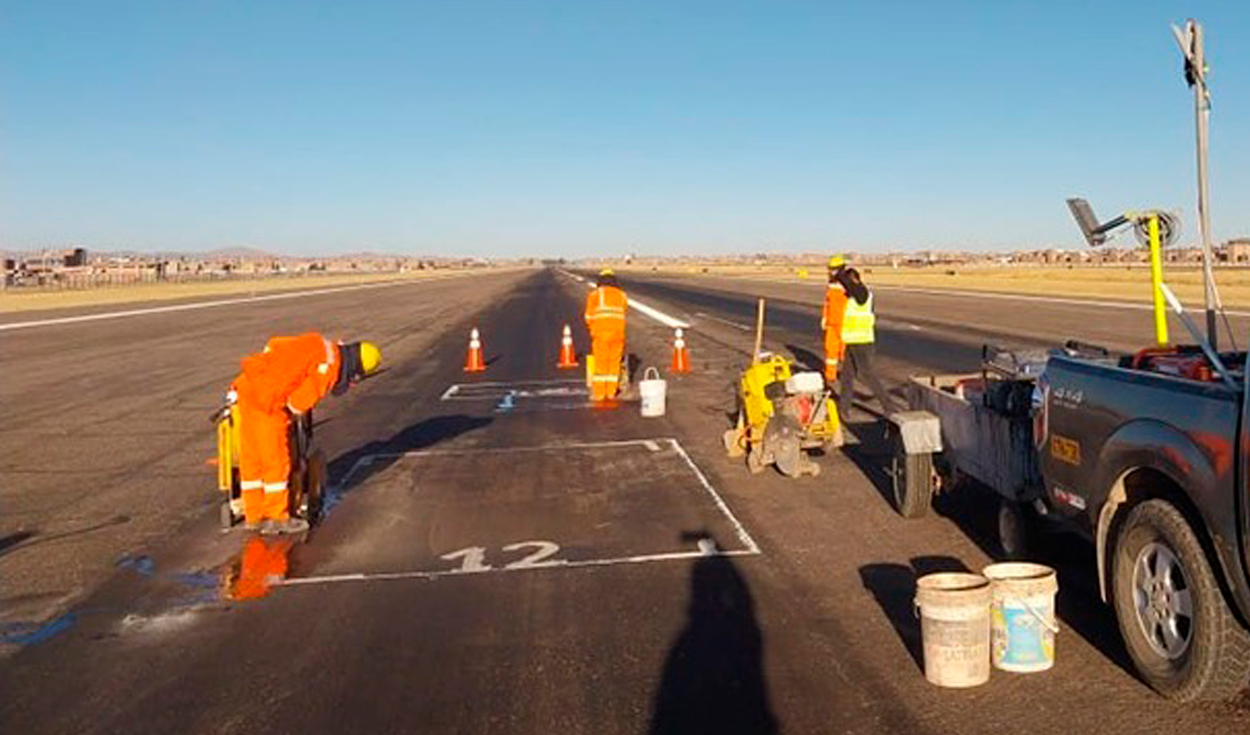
(681,355)
(474,362)
(568,357)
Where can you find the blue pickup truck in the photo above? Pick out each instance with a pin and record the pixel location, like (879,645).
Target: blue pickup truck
(1146,455)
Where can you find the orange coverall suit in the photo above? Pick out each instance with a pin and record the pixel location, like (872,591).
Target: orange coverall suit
(605,317)
(292,374)
(831,322)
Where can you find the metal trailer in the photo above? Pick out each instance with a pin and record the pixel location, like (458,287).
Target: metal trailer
(976,426)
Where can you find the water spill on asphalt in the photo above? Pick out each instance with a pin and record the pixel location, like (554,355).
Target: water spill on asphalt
(262,565)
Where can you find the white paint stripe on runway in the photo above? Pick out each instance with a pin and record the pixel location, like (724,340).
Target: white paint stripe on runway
(743,536)
(654,313)
(201,305)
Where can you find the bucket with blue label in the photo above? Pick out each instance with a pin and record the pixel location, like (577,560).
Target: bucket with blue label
(1022,616)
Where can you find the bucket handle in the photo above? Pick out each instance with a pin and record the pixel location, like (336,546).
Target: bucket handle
(1052,627)
(647,373)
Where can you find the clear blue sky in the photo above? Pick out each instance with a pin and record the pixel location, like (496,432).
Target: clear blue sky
(511,127)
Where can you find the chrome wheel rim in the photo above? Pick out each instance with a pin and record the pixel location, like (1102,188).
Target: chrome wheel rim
(1162,601)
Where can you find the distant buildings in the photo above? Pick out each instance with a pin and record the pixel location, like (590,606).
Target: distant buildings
(76,268)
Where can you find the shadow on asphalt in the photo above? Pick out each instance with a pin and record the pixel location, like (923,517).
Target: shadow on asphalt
(713,679)
(21,540)
(633,363)
(893,586)
(418,436)
(869,449)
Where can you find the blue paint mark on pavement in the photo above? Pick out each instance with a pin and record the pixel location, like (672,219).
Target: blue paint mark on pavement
(144,565)
(27,634)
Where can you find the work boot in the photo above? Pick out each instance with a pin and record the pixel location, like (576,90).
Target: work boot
(289,525)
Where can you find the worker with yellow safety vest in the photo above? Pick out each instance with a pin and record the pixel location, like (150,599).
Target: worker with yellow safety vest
(605,318)
(859,337)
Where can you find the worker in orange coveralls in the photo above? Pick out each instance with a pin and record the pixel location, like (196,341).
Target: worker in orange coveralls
(605,317)
(831,318)
(289,377)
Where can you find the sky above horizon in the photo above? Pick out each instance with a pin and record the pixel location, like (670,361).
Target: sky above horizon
(594,127)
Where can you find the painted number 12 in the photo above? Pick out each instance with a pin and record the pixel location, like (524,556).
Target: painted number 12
(473,559)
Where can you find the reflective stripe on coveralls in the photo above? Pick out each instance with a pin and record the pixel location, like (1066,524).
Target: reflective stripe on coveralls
(859,323)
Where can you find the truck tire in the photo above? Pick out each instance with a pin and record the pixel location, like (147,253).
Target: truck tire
(911,478)
(1176,624)
(1016,529)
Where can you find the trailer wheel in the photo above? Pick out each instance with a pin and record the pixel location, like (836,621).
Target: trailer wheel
(1176,624)
(911,477)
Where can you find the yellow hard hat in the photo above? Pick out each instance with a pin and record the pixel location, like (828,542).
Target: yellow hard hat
(607,272)
(836,261)
(370,357)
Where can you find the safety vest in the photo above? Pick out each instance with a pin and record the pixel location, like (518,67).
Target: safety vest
(859,323)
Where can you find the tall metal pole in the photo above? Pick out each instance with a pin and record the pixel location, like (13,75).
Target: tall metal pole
(1191,43)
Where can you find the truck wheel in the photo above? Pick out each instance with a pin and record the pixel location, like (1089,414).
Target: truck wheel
(1015,529)
(911,477)
(1177,627)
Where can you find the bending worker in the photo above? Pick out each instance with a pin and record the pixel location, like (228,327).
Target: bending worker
(605,317)
(859,336)
(289,377)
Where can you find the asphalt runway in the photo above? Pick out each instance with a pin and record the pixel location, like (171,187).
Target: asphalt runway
(500,557)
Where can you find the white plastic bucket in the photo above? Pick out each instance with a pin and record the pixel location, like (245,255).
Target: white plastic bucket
(654,391)
(1023,613)
(955,627)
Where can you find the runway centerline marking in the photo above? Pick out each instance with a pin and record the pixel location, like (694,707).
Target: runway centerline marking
(472,557)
